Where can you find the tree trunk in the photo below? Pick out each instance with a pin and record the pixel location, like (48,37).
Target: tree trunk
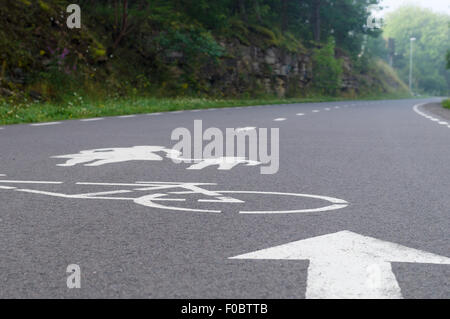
(284,15)
(316,20)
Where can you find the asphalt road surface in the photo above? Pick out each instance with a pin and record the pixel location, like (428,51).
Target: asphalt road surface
(387,162)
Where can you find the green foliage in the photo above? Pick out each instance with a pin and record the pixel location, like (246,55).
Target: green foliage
(431,31)
(191,42)
(327,69)
(76,106)
(168,47)
(448,59)
(446,104)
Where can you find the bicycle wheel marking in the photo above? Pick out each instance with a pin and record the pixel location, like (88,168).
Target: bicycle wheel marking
(162,194)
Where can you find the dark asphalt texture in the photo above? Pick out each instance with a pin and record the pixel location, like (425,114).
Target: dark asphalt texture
(391,164)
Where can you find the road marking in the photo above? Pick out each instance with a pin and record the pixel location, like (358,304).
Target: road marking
(416,109)
(162,192)
(336,203)
(195,110)
(45,124)
(99,157)
(337,107)
(281,119)
(92,120)
(7,187)
(300,114)
(245,129)
(153,114)
(315,111)
(126,116)
(2,128)
(176,112)
(30,182)
(327,109)
(346,265)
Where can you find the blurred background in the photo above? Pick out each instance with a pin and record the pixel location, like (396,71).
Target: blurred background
(168,54)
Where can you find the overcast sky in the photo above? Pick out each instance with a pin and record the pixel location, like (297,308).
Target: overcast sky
(441,6)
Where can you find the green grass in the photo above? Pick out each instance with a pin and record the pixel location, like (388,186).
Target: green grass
(78,108)
(446,104)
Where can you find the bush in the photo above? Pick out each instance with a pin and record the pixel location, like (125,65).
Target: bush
(327,70)
(446,104)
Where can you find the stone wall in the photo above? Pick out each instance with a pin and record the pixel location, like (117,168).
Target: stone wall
(253,69)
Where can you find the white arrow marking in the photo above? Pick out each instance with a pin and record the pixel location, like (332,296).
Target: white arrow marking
(348,265)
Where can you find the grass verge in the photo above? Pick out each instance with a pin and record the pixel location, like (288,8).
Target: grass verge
(446,104)
(77,108)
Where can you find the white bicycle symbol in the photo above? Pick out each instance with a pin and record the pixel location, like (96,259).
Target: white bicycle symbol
(176,193)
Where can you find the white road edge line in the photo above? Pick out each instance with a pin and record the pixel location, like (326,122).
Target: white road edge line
(45,124)
(416,109)
(126,116)
(92,120)
(30,182)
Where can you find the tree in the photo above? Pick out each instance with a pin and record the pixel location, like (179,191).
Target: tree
(448,59)
(430,48)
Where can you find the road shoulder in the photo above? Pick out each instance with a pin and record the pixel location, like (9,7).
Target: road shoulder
(438,110)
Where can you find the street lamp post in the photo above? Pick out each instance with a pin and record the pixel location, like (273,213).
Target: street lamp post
(411,63)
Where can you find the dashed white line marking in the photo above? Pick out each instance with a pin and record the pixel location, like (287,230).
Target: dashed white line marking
(245,129)
(315,111)
(327,109)
(29,182)
(300,114)
(7,187)
(126,116)
(337,107)
(1,128)
(416,109)
(281,119)
(92,120)
(45,124)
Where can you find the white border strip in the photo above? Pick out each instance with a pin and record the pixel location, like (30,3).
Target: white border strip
(442,122)
(45,124)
